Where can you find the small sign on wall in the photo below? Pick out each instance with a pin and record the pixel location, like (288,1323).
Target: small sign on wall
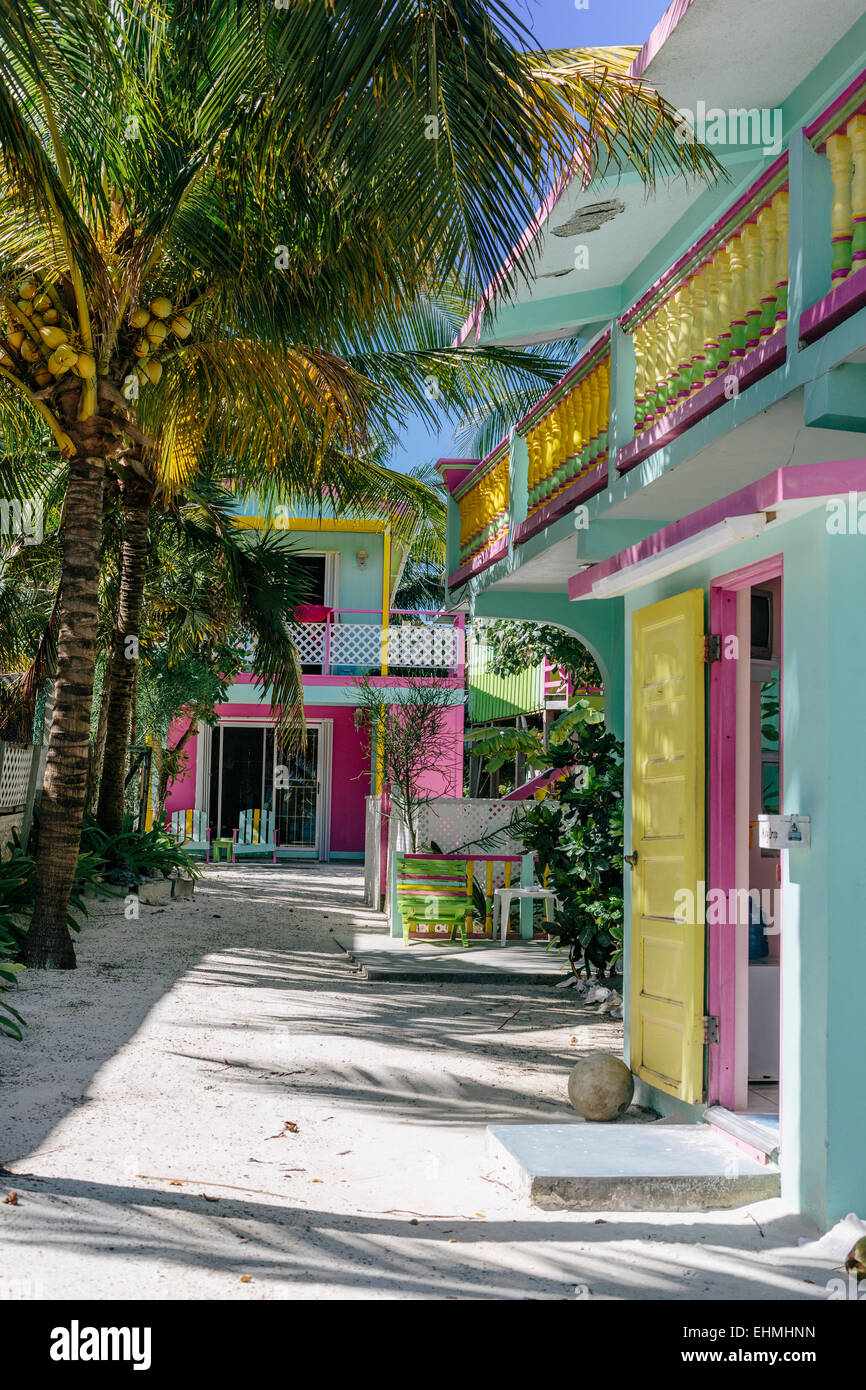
(784,832)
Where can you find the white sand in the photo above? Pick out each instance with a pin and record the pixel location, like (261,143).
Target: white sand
(185,1041)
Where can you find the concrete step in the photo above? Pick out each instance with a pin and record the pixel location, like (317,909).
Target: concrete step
(385,957)
(636,1167)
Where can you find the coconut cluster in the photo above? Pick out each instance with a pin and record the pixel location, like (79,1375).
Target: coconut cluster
(38,340)
(154,324)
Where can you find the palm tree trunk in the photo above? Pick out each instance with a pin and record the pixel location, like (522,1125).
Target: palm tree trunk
(48,945)
(97,749)
(136,502)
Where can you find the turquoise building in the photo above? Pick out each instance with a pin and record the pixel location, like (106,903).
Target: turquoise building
(690,500)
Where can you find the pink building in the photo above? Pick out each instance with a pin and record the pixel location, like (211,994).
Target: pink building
(348,630)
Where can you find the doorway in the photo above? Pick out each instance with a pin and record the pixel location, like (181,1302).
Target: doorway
(746,769)
(249,770)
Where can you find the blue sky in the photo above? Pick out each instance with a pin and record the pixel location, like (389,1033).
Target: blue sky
(555,24)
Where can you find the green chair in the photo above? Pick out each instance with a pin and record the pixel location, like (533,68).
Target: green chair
(190,830)
(255,837)
(432,890)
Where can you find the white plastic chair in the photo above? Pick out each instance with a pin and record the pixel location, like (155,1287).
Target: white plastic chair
(502,899)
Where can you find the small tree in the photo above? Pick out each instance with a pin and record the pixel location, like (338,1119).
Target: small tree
(576,831)
(404,731)
(514,645)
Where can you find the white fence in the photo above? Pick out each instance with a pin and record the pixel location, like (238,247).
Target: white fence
(16,763)
(456,824)
(352,648)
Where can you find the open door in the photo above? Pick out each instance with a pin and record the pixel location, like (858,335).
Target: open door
(667,956)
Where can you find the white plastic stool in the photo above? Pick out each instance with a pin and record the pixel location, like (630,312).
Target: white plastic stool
(502,905)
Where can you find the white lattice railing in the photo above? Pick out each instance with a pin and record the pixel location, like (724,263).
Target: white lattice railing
(361,648)
(15,763)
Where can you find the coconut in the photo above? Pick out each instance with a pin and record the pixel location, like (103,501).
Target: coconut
(140,318)
(5,359)
(29,351)
(42,377)
(62,359)
(181,326)
(142,348)
(161,307)
(52,337)
(27,289)
(154,372)
(86,365)
(24,307)
(38,320)
(157,332)
(42,302)
(50,316)
(16,338)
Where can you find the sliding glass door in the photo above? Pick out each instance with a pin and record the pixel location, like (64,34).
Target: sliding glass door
(249,772)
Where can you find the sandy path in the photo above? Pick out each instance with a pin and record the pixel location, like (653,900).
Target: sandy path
(186,1040)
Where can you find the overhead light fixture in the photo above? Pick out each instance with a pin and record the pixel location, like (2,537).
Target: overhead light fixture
(676,557)
(361,557)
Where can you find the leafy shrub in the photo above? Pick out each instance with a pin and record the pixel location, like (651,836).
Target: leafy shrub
(138,851)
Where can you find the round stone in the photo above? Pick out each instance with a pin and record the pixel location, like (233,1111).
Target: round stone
(601,1087)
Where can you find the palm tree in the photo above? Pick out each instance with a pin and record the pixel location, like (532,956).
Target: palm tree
(151,159)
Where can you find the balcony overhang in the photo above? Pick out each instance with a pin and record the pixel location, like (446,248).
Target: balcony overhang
(741,516)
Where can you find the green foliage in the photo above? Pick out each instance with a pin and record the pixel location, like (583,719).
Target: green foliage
(576,831)
(514,646)
(500,745)
(138,851)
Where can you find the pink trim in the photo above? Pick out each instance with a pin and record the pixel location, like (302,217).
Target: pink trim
(757,1154)
(694,251)
(455,470)
(659,36)
(722,940)
(479,858)
(482,561)
(544,779)
(468,481)
(586,486)
(588,359)
(759,363)
(827,115)
(795,483)
(843,301)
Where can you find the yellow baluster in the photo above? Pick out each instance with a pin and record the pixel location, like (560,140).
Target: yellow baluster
(603,407)
(737,265)
(711,318)
(780,206)
(769,237)
(594,402)
(488,921)
(698,360)
(841,160)
(640,376)
(663,358)
(724,310)
(856,130)
(650,373)
(683,309)
(752,245)
(586,423)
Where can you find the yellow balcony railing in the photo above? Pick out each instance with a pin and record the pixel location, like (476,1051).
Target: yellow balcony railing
(715,316)
(570,437)
(846,151)
(484,505)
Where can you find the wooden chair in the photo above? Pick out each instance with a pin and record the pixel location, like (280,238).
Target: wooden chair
(432,891)
(190,830)
(256,836)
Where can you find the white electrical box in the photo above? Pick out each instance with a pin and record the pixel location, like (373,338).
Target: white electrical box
(784,832)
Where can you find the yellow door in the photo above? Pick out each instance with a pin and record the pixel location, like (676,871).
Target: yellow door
(667,956)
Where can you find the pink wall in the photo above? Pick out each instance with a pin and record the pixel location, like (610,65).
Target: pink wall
(350,780)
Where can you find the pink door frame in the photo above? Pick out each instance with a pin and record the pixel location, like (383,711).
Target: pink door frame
(722,967)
